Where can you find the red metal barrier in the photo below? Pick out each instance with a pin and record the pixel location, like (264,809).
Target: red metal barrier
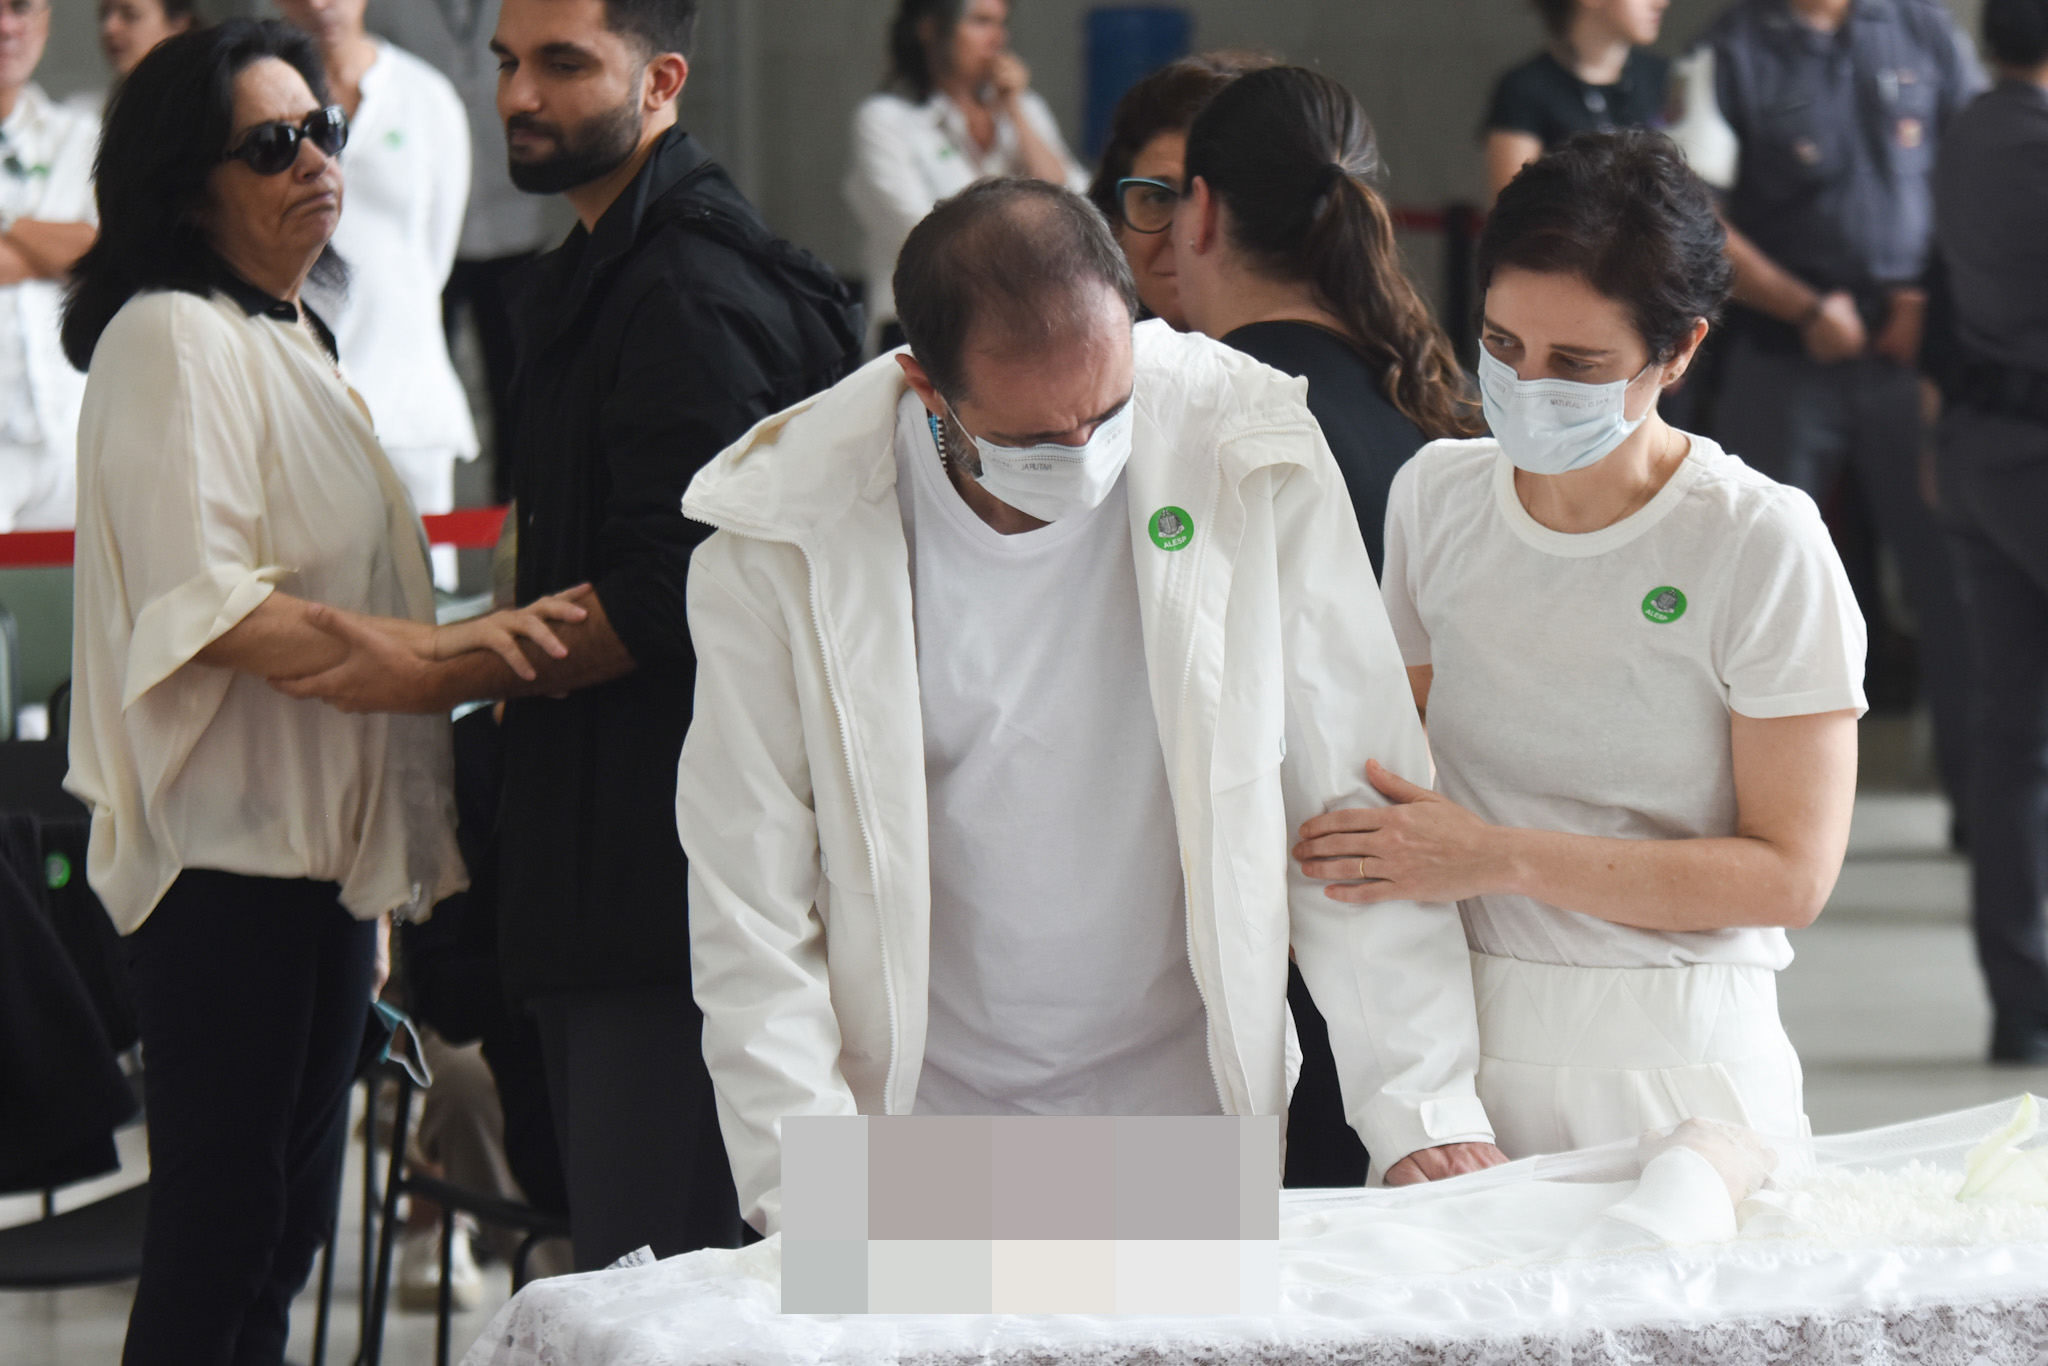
(465,529)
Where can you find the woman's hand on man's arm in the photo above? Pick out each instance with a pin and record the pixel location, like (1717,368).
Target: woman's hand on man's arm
(1795,786)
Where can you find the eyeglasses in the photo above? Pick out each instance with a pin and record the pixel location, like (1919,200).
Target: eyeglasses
(271,148)
(1146,205)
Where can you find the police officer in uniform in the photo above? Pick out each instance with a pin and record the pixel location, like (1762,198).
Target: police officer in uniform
(1991,198)
(1835,109)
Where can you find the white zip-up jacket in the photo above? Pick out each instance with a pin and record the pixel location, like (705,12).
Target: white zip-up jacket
(1274,676)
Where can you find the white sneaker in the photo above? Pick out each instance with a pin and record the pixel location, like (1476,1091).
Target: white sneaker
(419,1270)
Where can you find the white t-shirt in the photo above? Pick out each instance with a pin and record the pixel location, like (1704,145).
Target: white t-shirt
(1059,969)
(1583,683)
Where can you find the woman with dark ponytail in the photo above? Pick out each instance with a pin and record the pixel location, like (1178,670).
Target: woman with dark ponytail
(1286,252)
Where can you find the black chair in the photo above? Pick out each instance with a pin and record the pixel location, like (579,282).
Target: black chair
(537,1226)
(94,1244)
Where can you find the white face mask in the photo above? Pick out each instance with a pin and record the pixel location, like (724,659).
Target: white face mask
(1050,481)
(1550,426)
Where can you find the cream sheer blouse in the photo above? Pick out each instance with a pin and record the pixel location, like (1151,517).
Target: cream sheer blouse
(220,456)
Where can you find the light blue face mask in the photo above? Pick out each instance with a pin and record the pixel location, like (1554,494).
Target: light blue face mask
(1552,426)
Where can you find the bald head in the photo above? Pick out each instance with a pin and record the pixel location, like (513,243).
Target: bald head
(1008,268)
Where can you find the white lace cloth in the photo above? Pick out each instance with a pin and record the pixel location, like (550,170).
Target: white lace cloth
(1876,1266)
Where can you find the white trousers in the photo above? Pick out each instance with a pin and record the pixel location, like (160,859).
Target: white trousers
(1574,1057)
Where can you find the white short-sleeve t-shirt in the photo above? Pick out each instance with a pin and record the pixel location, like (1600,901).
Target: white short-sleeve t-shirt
(1583,683)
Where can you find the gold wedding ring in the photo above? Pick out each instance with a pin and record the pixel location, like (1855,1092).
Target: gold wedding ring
(1361,870)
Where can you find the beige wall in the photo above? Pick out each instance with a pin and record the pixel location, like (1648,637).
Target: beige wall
(778,80)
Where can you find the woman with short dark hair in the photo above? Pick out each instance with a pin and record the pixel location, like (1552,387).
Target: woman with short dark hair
(957,107)
(1138,181)
(233,504)
(1641,667)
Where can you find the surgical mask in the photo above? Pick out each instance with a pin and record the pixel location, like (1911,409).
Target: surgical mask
(1050,481)
(1551,426)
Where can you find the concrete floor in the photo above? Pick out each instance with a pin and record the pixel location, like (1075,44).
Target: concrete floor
(1884,1003)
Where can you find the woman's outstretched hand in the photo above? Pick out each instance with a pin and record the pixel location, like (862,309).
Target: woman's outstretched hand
(1424,847)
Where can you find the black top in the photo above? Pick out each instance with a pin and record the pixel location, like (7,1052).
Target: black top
(1543,99)
(1367,434)
(645,348)
(1991,212)
(1838,134)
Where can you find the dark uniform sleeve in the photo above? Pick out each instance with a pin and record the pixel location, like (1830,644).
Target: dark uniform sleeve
(688,385)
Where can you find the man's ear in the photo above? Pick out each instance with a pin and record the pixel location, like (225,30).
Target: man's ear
(663,83)
(921,384)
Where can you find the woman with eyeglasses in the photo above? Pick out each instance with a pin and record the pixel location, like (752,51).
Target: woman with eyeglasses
(1641,665)
(958,107)
(1138,180)
(1285,251)
(233,506)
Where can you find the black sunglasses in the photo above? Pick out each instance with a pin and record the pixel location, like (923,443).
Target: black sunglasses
(271,148)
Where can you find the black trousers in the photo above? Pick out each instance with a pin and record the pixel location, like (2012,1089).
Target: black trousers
(637,1123)
(479,286)
(1322,1147)
(251,993)
(1994,487)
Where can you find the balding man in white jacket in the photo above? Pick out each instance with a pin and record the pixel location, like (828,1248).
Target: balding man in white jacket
(1021,658)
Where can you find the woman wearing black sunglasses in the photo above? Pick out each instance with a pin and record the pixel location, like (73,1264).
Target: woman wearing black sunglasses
(232,498)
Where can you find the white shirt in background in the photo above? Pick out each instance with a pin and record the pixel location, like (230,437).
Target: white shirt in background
(1060,981)
(46,155)
(907,157)
(407,167)
(220,457)
(1583,683)
(454,36)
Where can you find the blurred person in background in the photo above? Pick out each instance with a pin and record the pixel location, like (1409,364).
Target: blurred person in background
(502,228)
(129,29)
(1991,224)
(408,174)
(1835,110)
(1596,73)
(250,847)
(46,224)
(1138,182)
(1286,253)
(958,107)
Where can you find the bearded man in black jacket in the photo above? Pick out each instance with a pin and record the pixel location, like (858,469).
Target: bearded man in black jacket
(668,323)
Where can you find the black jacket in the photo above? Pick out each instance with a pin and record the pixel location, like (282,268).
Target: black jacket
(646,346)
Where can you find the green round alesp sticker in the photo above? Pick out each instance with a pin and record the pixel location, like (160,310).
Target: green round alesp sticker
(1172,528)
(1664,604)
(57,872)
